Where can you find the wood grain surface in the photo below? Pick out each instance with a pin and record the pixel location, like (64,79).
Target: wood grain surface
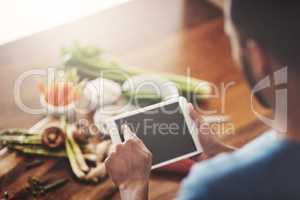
(178,36)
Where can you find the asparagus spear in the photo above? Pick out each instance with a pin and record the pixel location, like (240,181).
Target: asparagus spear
(16,131)
(38,150)
(21,139)
(27,142)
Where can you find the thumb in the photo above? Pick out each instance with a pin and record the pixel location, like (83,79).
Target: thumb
(127,133)
(193,113)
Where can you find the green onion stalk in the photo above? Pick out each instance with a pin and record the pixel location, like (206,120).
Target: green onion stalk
(72,152)
(69,149)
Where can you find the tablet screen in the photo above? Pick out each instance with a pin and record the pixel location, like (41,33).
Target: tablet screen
(163,130)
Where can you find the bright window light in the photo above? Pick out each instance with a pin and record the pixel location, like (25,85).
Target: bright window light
(19,18)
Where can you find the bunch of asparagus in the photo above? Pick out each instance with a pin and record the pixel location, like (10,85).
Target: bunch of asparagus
(88,61)
(27,142)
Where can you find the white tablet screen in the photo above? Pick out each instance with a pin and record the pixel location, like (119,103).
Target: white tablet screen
(163,130)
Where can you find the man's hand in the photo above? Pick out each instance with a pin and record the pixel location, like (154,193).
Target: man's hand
(211,145)
(129,166)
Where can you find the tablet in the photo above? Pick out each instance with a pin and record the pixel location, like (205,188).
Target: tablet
(165,128)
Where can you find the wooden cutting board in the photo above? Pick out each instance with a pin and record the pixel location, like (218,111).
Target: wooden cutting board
(14,174)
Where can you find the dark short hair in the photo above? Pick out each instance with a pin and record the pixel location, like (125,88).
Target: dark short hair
(273,24)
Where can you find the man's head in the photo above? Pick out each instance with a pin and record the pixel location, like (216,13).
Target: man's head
(265,36)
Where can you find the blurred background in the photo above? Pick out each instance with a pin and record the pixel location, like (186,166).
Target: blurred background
(183,37)
(23,18)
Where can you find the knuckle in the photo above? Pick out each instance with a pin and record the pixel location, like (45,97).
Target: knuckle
(139,142)
(149,155)
(137,139)
(130,142)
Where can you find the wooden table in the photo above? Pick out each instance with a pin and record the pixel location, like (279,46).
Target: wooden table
(169,36)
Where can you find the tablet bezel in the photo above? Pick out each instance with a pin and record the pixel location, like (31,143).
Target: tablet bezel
(183,104)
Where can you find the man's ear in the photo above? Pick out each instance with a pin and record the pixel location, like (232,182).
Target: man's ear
(259,58)
(261,67)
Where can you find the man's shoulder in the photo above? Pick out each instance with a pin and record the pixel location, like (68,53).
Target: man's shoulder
(224,174)
(232,174)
